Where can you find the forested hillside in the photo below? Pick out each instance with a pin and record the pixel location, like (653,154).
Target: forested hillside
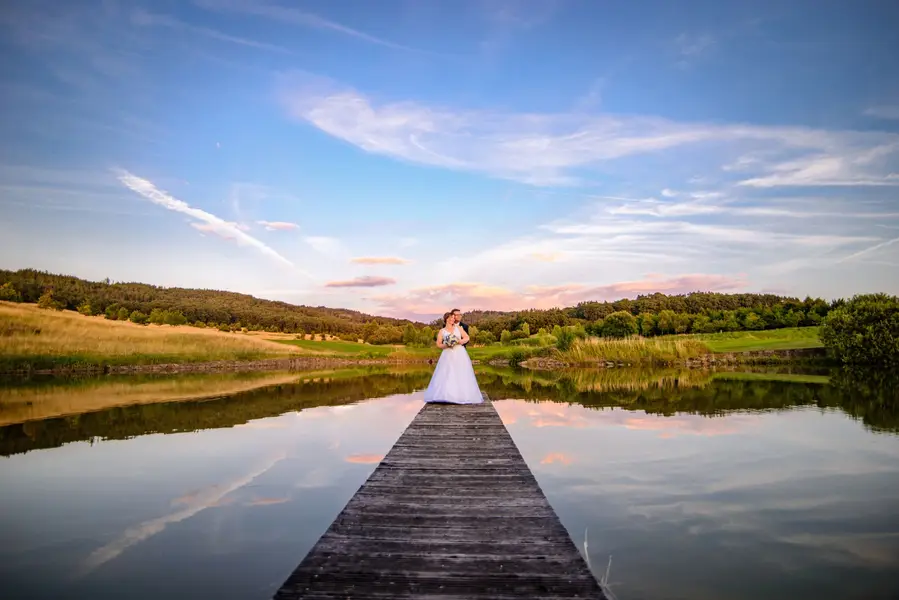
(655,314)
(210,307)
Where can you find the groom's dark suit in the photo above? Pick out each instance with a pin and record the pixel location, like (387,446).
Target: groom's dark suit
(464,327)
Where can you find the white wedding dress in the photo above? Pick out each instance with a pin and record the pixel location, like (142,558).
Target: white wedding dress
(453,380)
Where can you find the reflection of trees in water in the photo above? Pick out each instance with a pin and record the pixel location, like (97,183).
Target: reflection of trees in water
(872,397)
(173,417)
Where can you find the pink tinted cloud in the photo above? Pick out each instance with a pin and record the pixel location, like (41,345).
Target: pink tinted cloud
(278,225)
(380,260)
(225,232)
(365,281)
(425,303)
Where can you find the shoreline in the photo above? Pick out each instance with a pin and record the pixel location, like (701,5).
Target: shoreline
(755,357)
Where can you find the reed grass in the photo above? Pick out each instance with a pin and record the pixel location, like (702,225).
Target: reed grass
(31,337)
(633,350)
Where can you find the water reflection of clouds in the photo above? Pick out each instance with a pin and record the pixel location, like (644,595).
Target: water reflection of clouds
(365,459)
(571,416)
(556,458)
(298,457)
(195,504)
(752,499)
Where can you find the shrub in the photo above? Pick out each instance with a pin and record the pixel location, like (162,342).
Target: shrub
(619,324)
(483,338)
(564,339)
(9,293)
(139,318)
(48,301)
(516,357)
(864,331)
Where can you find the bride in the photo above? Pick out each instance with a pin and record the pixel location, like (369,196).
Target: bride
(453,380)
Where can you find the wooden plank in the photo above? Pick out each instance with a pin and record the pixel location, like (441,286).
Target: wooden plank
(452,511)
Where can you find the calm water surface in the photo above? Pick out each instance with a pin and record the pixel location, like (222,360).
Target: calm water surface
(699,486)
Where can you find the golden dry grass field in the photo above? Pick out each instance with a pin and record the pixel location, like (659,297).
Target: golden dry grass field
(44,338)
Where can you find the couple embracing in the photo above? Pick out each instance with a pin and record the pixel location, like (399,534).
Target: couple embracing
(453,380)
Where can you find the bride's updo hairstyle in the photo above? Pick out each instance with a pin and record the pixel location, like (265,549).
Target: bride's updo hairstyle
(446,316)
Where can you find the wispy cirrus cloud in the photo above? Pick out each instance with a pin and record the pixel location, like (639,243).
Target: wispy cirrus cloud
(693,44)
(295,16)
(207,221)
(366,281)
(870,250)
(278,225)
(380,260)
(147,19)
(564,148)
(222,232)
(883,111)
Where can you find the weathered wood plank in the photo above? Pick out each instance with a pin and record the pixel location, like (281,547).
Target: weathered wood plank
(452,511)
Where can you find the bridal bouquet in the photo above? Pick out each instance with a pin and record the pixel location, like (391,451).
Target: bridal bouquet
(450,340)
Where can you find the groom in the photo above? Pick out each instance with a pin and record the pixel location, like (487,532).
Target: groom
(457,315)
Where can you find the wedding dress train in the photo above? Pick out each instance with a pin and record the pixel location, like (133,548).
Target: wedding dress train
(453,380)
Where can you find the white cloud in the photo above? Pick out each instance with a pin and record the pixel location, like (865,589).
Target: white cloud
(561,148)
(208,221)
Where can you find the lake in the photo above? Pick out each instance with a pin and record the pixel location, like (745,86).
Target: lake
(699,485)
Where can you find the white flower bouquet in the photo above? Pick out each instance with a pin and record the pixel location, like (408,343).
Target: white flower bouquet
(450,340)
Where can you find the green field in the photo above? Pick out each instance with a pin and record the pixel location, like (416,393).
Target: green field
(793,338)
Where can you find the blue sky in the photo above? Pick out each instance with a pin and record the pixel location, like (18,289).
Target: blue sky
(404,157)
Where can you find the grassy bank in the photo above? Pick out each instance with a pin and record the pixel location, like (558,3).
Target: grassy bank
(38,339)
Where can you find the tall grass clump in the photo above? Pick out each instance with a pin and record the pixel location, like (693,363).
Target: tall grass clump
(633,350)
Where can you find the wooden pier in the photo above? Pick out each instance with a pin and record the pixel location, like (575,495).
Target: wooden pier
(451,512)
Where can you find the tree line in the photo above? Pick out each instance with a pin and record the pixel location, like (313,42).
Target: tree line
(660,314)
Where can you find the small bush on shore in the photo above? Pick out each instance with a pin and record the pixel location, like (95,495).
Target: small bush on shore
(864,331)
